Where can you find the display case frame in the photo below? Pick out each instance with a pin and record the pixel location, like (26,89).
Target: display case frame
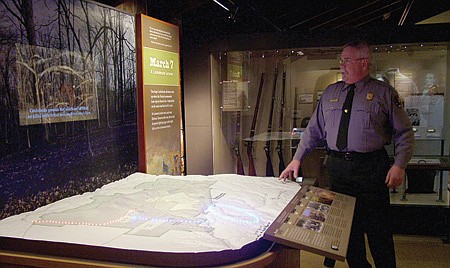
(308,72)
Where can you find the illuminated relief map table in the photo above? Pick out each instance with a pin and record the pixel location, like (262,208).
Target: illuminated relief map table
(170,221)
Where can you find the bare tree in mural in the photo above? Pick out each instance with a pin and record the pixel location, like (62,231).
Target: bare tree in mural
(110,55)
(104,55)
(22,10)
(100,34)
(110,41)
(73,41)
(8,94)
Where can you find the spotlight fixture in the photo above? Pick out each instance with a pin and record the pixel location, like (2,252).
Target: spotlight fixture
(233,14)
(232,11)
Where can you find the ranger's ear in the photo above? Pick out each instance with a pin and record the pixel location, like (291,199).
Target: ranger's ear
(366,63)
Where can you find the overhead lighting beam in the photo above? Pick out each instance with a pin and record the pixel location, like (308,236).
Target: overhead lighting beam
(377,11)
(220,4)
(264,17)
(374,18)
(316,16)
(343,15)
(405,12)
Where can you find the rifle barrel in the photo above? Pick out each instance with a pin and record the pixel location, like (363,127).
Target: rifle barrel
(269,166)
(251,164)
(281,165)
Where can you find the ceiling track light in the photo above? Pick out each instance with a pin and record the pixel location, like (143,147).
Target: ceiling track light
(220,4)
(405,12)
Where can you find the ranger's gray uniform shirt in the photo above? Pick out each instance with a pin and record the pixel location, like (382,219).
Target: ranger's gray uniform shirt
(377,116)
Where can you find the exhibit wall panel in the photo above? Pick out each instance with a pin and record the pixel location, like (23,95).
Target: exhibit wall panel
(80,85)
(159,97)
(447,107)
(222,151)
(198,113)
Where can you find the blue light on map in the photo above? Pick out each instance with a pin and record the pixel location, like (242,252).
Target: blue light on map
(141,218)
(62,222)
(235,214)
(225,212)
(131,215)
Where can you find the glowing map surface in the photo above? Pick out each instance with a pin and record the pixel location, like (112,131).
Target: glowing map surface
(161,213)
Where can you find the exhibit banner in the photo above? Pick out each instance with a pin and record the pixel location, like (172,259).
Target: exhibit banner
(159,101)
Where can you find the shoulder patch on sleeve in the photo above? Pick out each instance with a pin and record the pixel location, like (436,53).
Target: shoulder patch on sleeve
(398,101)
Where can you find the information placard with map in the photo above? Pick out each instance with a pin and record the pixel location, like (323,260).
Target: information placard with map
(315,220)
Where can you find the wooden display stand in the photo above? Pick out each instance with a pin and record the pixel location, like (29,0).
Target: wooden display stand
(278,257)
(322,219)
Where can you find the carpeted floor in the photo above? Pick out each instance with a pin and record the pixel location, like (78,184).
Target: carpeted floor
(411,251)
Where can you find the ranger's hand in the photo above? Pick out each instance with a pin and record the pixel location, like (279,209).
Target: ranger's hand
(395,176)
(291,171)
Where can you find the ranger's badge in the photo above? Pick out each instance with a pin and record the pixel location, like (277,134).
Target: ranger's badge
(369,96)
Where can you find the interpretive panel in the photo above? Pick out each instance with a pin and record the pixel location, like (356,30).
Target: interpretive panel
(54,86)
(315,220)
(160,134)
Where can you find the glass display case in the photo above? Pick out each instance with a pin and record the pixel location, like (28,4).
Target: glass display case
(263,99)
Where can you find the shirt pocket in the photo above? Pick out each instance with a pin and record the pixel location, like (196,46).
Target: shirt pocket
(332,115)
(367,113)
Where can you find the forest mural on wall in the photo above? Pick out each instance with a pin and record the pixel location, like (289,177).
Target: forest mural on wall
(67,100)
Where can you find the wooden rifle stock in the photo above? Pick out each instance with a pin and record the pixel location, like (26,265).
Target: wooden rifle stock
(281,164)
(239,164)
(251,164)
(269,167)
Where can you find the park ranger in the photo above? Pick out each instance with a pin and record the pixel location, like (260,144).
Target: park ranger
(356,118)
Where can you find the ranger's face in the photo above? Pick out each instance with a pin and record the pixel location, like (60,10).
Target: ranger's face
(353,67)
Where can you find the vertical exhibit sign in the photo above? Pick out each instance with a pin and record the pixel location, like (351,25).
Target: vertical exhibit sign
(234,86)
(159,101)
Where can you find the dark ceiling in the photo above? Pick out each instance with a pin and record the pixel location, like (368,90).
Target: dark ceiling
(204,20)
